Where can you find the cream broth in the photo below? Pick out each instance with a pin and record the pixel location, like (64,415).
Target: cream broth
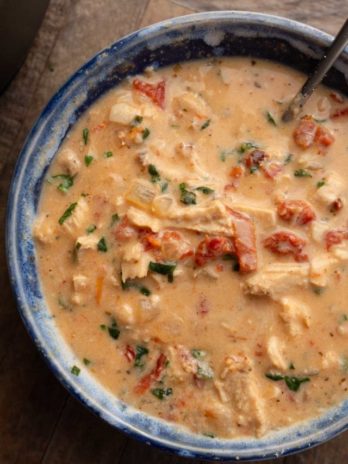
(193,249)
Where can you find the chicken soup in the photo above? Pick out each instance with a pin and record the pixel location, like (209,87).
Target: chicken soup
(193,248)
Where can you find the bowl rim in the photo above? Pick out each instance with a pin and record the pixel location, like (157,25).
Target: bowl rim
(182,449)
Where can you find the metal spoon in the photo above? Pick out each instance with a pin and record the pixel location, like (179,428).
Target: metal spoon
(318,74)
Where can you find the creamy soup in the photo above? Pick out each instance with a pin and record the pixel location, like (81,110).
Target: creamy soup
(193,248)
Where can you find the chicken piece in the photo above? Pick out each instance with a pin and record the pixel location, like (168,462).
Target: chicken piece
(126,314)
(86,242)
(340,251)
(343,329)
(331,191)
(80,286)
(219,387)
(78,218)
(236,363)
(189,105)
(123,113)
(276,278)
(275,351)
(320,267)
(208,271)
(141,194)
(295,314)
(311,161)
(330,360)
(217,416)
(69,161)
(266,217)
(149,308)
(43,230)
(135,262)
(318,229)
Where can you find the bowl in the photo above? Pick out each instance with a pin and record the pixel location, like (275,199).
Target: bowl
(212,34)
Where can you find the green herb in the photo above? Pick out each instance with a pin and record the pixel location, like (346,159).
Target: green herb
(321,183)
(114,218)
(85,135)
(67,182)
(102,246)
(155,177)
(270,118)
(205,190)
(88,160)
(84,194)
(67,213)
(163,269)
(205,124)
(108,154)
(225,153)
(132,284)
(245,147)
(75,250)
(186,197)
(302,173)
(91,228)
(162,393)
(288,159)
(343,318)
(137,120)
(113,330)
(291,366)
(102,326)
(236,265)
(145,133)
(208,434)
(198,354)
(317,290)
(140,351)
(164,186)
(86,361)
(75,370)
(253,169)
(293,383)
(144,291)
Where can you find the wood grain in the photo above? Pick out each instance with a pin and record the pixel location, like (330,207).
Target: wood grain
(39,421)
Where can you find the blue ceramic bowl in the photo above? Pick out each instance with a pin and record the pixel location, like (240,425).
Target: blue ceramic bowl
(195,36)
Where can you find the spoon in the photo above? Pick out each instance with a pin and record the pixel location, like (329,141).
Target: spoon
(318,74)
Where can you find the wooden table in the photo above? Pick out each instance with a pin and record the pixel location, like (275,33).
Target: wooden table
(39,421)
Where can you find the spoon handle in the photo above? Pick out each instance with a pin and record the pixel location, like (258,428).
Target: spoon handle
(318,74)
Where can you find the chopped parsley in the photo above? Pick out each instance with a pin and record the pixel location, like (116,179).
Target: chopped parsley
(66,182)
(245,147)
(292,382)
(90,229)
(85,135)
(140,352)
(67,213)
(113,330)
(86,361)
(132,284)
(162,393)
(163,269)
(102,246)
(270,118)
(164,186)
(205,124)
(317,290)
(145,133)
(108,154)
(321,183)
(302,173)
(198,354)
(75,370)
(225,153)
(88,160)
(155,176)
(114,218)
(102,326)
(288,159)
(186,196)
(136,120)
(205,190)
(144,290)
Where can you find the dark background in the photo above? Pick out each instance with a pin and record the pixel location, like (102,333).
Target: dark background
(39,421)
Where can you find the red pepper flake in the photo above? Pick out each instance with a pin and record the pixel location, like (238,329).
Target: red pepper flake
(156,92)
(203,307)
(336,206)
(339,113)
(146,381)
(129,353)
(335,237)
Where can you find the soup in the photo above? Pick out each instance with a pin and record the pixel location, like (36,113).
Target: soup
(193,248)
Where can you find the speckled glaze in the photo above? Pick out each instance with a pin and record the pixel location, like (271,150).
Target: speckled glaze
(195,36)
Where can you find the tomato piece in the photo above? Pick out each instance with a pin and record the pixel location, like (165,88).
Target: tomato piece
(129,353)
(237,172)
(272,169)
(150,240)
(286,243)
(255,158)
(336,206)
(323,137)
(156,92)
(339,113)
(213,248)
(335,237)
(298,211)
(244,241)
(146,381)
(304,133)
(124,230)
